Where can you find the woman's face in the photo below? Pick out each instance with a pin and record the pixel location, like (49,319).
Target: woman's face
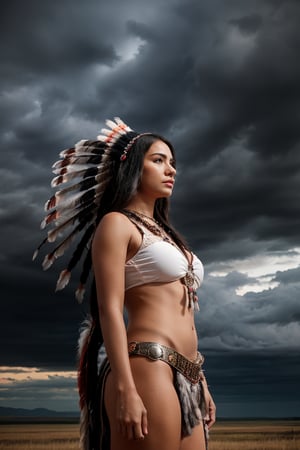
(158,174)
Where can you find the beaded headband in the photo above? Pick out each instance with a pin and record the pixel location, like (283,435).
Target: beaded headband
(130,144)
(86,168)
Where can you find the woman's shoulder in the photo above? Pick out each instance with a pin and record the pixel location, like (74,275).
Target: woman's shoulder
(114,218)
(114,224)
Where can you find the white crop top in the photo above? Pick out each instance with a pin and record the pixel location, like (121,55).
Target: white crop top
(158,261)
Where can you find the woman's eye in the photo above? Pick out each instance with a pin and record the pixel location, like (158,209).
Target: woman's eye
(159,160)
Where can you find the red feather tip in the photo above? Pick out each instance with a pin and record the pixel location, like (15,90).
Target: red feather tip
(51,203)
(49,218)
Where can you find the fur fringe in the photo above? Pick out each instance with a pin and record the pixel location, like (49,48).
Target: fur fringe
(193,404)
(190,399)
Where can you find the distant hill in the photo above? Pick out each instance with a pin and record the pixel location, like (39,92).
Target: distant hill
(37,412)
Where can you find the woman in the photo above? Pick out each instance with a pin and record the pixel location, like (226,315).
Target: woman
(150,392)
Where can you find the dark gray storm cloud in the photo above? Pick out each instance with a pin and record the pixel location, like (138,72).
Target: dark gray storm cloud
(221,81)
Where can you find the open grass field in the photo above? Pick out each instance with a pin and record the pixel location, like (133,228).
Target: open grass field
(255,435)
(226,435)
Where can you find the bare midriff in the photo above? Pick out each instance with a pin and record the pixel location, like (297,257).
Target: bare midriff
(158,312)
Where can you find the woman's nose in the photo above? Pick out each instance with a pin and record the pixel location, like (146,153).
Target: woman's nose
(171,170)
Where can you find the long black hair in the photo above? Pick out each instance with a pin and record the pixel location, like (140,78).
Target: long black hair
(123,185)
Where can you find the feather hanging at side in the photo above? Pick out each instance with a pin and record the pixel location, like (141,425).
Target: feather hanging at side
(63,280)
(38,248)
(64,245)
(87,266)
(48,261)
(83,342)
(83,244)
(60,228)
(79,293)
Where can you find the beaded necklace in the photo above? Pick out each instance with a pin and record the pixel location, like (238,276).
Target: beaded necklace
(158,229)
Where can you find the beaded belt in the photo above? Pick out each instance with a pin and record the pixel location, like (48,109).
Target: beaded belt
(152,350)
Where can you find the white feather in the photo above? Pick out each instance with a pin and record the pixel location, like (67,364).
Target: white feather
(60,179)
(79,293)
(35,255)
(111,124)
(48,261)
(63,280)
(80,145)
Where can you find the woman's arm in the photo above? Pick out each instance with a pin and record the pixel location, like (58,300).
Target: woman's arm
(109,250)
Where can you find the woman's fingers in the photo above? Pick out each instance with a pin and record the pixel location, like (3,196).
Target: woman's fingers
(140,429)
(211,413)
(135,430)
(144,423)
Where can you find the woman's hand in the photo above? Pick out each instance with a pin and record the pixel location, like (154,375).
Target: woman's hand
(131,415)
(211,413)
(210,406)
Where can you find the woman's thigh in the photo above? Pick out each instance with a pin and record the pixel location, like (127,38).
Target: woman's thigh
(195,441)
(154,383)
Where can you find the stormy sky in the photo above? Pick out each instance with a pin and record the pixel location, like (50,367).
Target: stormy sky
(221,80)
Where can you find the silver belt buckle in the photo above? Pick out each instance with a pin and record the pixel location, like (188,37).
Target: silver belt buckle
(155,351)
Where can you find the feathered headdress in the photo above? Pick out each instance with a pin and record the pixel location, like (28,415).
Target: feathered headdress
(86,169)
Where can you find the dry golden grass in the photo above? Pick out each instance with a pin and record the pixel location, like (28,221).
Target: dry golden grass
(39,436)
(255,435)
(229,435)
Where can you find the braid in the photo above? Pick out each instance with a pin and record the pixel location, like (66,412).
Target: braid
(90,341)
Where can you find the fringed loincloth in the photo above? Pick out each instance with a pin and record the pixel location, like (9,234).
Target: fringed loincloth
(188,382)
